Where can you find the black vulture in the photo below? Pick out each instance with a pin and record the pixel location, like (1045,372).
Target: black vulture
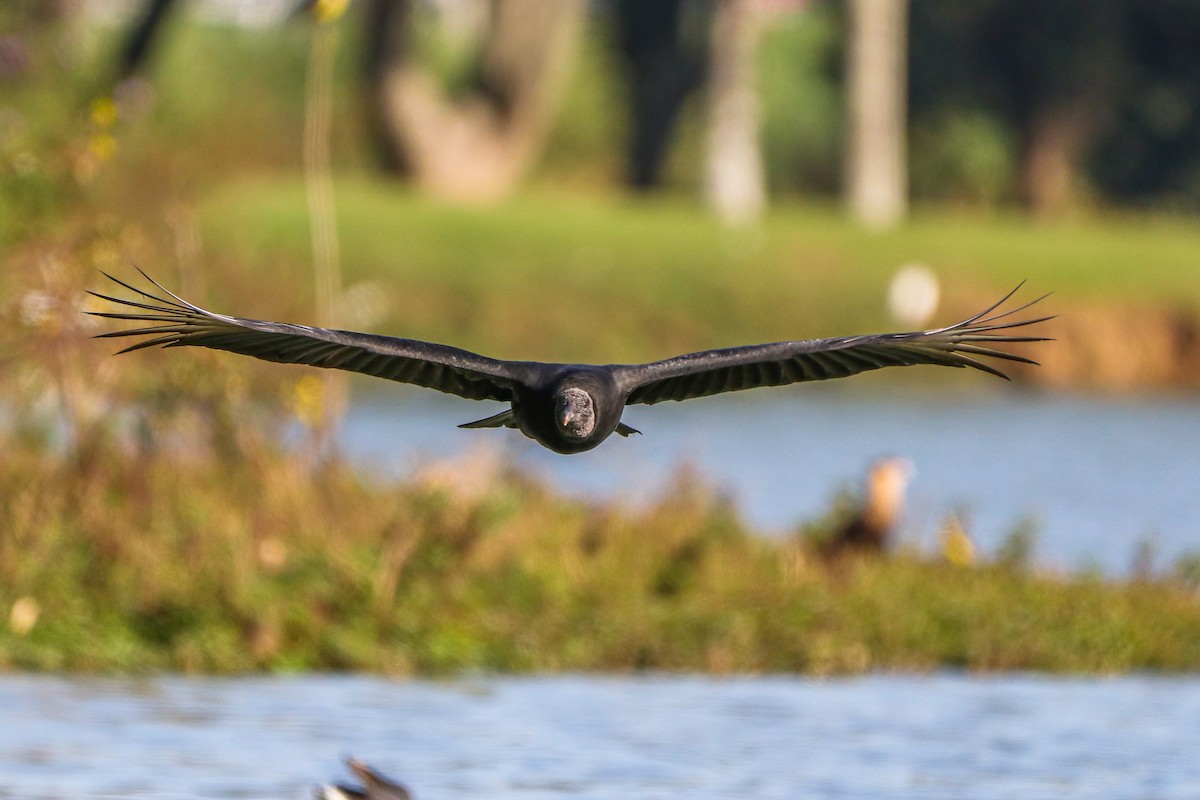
(568,408)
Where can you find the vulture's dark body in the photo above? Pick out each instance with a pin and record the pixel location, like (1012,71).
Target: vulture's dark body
(568,408)
(533,406)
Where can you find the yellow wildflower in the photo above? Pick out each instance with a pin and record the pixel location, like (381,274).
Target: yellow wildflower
(329,10)
(957,547)
(102,146)
(307,400)
(104,112)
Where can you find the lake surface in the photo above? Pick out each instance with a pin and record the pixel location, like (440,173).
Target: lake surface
(875,738)
(1095,477)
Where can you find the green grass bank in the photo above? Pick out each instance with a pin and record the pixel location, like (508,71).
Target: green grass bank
(209,549)
(597,277)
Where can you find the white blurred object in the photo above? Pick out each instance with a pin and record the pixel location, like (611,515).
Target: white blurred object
(364,304)
(913,295)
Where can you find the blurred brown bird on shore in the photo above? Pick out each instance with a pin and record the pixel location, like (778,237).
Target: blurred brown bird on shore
(870,529)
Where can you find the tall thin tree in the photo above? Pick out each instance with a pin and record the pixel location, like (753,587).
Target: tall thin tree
(734,184)
(877,80)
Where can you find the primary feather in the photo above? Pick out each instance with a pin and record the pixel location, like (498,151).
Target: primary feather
(435,366)
(780,363)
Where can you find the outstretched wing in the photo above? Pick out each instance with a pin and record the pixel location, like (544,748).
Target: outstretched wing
(736,368)
(447,369)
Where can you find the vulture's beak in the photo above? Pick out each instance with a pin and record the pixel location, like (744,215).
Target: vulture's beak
(565,416)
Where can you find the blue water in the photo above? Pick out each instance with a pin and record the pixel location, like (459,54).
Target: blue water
(874,738)
(1096,478)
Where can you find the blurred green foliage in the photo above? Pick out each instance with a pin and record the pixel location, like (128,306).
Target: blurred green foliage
(975,70)
(963,158)
(1121,73)
(802,106)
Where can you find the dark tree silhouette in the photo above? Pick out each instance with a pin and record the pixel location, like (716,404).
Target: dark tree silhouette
(665,48)
(142,36)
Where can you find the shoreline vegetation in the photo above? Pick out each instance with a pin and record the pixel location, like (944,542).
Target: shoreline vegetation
(215,550)
(151,520)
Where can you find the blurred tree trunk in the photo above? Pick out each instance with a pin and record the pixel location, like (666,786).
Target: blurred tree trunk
(734,182)
(877,67)
(665,45)
(1055,140)
(140,39)
(1066,98)
(474,147)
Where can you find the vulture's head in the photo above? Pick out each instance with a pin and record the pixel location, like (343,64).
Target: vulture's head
(574,412)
